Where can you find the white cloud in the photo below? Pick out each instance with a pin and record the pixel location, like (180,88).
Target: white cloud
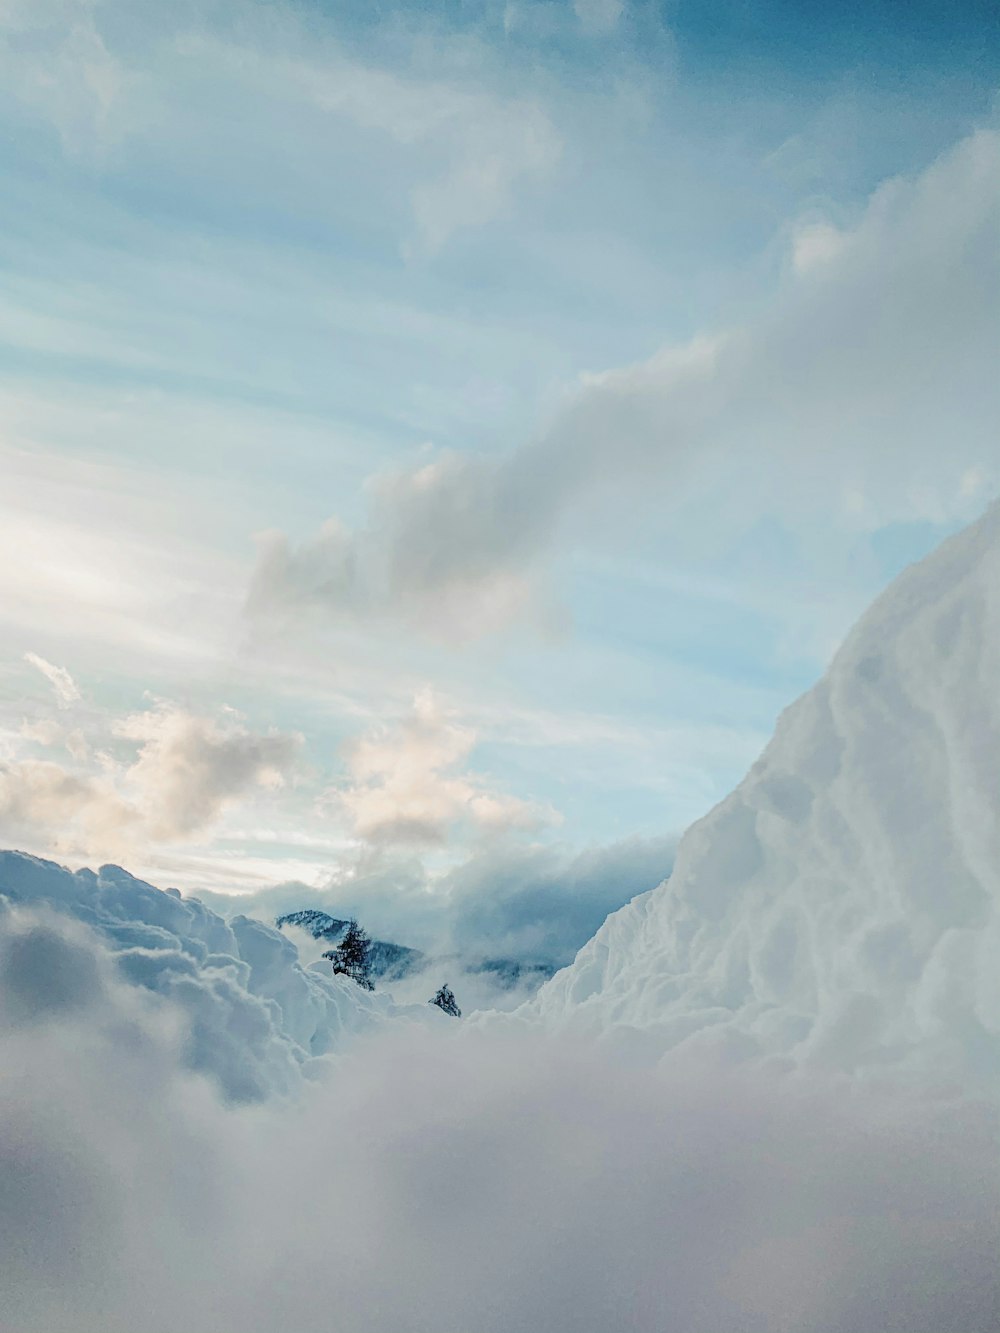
(69,810)
(47,732)
(848,385)
(408,564)
(190,768)
(66,690)
(467,146)
(76,744)
(43,732)
(404,786)
(186,772)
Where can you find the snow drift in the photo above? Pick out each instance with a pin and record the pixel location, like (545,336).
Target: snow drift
(842,904)
(446,1178)
(255,1019)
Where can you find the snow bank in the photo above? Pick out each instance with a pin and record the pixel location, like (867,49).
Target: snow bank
(255,1018)
(460,1180)
(842,904)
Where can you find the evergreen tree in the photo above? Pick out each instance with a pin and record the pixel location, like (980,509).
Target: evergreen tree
(352,956)
(445,999)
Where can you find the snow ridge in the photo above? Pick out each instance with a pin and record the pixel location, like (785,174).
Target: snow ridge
(841,904)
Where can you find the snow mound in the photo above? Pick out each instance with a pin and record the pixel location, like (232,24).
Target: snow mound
(842,904)
(256,1019)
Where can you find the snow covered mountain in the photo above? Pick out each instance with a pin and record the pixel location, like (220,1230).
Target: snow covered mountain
(394,962)
(842,904)
(389,961)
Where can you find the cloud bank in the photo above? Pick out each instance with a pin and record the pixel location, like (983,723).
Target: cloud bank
(882,335)
(536,904)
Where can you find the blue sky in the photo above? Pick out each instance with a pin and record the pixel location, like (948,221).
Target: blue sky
(456,431)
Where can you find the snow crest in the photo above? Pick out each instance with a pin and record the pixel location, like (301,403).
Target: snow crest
(841,904)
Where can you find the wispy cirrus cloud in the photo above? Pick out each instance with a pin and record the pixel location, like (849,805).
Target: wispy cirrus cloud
(66,690)
(57,63)
(457,149)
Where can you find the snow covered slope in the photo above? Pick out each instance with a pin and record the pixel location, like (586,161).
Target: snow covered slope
(255,1017)
(842,903)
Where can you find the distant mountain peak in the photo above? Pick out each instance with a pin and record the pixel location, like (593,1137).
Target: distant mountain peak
(320,925)
(392,962)
(389,962)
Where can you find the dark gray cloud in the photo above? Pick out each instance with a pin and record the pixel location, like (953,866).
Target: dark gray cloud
(538,903)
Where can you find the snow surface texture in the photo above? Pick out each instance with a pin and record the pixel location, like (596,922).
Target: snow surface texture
(256,1020)
(841,905)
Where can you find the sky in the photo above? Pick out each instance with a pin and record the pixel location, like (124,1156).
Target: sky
(438,440)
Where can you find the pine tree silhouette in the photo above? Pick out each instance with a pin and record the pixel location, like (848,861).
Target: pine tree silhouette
(352,956)
(445,999)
